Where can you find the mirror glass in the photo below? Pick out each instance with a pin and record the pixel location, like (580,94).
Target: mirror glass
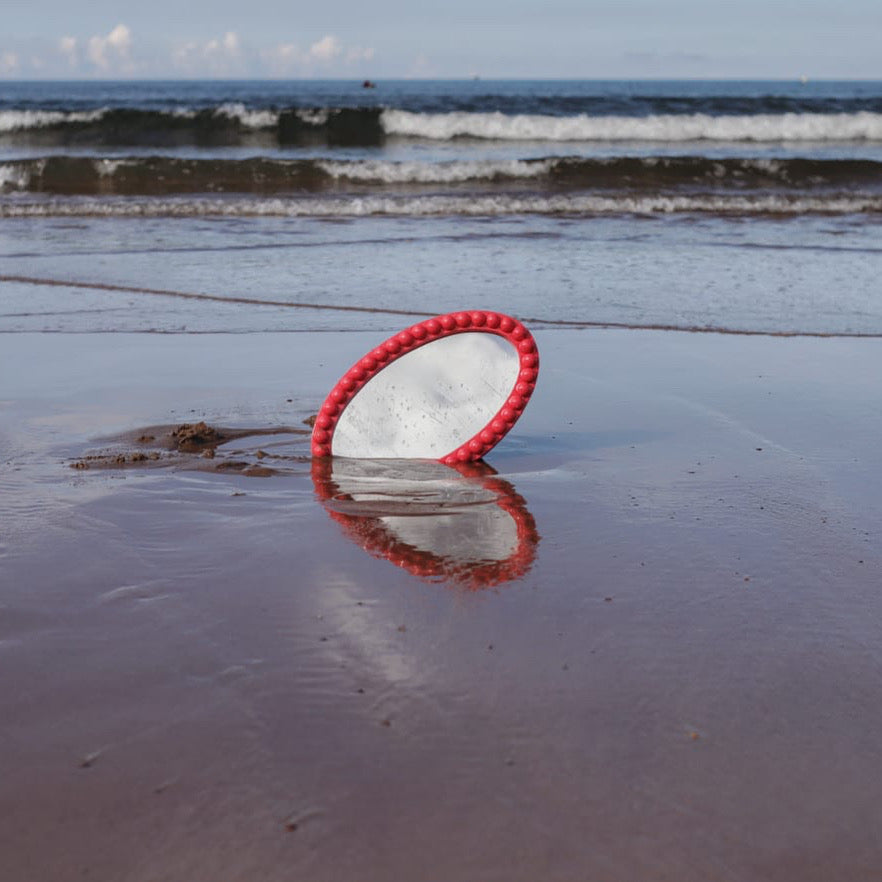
(430,400)
(459,524)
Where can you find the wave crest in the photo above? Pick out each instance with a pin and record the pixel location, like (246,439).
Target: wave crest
(237,124)
(862,126)
(152,175)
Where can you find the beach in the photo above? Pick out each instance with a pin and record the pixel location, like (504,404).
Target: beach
(206,678)
(640,642)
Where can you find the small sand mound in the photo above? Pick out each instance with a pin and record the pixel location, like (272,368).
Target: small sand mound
(195,436)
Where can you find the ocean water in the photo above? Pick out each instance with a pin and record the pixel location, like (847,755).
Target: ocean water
(745,206)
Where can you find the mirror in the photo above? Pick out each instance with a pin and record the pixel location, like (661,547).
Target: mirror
(462,525)
(449,389)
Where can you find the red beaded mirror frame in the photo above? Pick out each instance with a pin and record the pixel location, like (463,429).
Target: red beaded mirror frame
(398,345)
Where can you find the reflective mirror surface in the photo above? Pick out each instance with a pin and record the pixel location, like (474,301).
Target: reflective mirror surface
(430,400)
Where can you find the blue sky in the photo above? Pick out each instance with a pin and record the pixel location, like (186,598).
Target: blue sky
(404,38)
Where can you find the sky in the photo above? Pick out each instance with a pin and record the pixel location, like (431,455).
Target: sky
(747,39)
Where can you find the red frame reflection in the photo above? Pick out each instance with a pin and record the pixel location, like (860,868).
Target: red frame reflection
(375,537)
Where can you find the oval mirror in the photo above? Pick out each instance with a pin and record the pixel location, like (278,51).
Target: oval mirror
(461,524)
(448,388)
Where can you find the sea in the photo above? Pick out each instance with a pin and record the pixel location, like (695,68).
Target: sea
(748,207)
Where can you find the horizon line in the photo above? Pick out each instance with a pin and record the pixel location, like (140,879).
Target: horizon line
(799,78)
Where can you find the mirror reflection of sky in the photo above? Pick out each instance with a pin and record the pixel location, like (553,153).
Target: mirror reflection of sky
(391,38)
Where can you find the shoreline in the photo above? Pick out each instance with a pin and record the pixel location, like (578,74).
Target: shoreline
(539,323)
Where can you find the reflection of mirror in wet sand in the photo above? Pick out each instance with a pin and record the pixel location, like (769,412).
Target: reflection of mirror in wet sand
(460,524)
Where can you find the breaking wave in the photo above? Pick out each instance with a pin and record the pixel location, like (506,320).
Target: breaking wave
(162,175)
(863,126)
(233,124)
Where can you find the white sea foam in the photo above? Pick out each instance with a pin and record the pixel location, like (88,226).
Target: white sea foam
(16,120)
(863,126)
(251,119)
(435,172)
(316,117)
(106,168)
(488,206)
(13,176)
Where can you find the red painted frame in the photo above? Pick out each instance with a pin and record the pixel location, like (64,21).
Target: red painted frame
(418,335)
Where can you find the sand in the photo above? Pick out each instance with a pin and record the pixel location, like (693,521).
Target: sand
(216,673)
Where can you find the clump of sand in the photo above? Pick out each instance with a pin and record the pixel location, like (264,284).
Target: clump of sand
(191,437)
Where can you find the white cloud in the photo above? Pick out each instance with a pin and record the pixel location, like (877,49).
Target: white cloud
(8,62)
(326,49)
(324,54)
(228,46)
(116,53)
(219,56)
(231,42)
(111,51)
(68,48)
(281,60)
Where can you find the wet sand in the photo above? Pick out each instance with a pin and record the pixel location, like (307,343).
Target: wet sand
(673,671)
